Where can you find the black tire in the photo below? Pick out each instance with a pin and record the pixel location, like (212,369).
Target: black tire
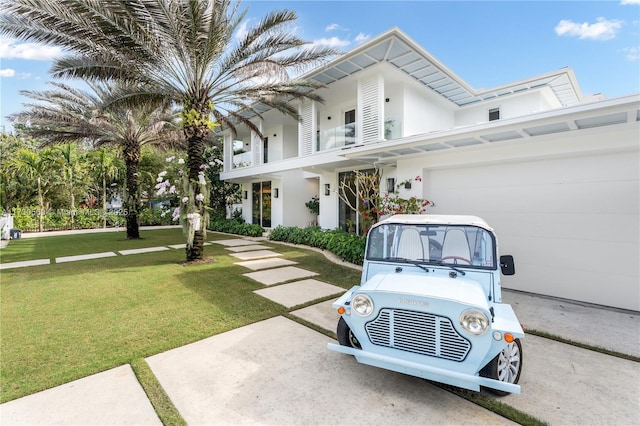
(345,336)
(506,366)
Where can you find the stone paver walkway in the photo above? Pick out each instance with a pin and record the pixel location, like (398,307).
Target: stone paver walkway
(299,292)
(279,275)
(266,263)
(85,257)
(252,255)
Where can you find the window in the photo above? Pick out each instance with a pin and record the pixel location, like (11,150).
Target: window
(265,151)
(350,116)
(350,127)
(494,114)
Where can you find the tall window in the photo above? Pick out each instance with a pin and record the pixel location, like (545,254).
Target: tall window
(265,151)
(350,127)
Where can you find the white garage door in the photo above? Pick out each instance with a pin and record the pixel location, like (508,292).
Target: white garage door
(572,224)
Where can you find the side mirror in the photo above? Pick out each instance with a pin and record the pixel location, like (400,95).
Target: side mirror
(506,265)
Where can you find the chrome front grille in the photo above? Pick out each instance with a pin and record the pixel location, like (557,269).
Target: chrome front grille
(418,332)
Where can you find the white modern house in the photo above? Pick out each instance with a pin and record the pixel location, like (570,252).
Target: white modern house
(554,171)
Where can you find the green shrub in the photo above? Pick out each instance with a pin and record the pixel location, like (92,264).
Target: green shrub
(88,218)
(25,218)
(231,226)
(348,247)
(153,217)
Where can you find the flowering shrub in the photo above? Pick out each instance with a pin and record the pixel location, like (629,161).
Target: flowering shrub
(184,205)
(393,204)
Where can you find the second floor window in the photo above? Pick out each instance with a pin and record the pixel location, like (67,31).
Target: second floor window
(494,114)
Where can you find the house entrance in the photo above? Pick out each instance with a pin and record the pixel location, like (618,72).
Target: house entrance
(261,204)
(349,201)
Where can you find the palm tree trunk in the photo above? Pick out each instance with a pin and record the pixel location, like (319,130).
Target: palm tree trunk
(41,206)
(132,199)
(195,135)
(104,201)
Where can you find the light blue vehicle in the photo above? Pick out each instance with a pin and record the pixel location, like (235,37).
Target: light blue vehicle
(429,304)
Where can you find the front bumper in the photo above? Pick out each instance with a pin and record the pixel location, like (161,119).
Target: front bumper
(454,378)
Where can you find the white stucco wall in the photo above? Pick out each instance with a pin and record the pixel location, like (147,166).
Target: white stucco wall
(275,145)
(571,221)
(425,112)
(517,105)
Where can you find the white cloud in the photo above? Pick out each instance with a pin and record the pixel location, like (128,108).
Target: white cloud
(334,27)
(241,32)
(13,49)
(603,29)
(361,38)
(332,42)
(632,53)
(7,72)
(630,2)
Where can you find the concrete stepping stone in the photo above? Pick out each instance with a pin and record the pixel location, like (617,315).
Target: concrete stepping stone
(248,248)
(142,250)
(234,242)
(321,314)
(272,262)
(113,397)
(259,254)
(279,275)
(24,263)
(299,292)
(85,257)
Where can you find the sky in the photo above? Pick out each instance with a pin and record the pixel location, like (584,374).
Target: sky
(486,43)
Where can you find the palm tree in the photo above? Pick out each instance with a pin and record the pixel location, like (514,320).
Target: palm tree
(34,165)
(66,114)
(105,165)
(190,52)
(66,156)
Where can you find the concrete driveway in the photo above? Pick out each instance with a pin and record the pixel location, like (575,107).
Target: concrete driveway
(279,371)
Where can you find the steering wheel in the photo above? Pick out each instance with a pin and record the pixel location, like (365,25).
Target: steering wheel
(456,258)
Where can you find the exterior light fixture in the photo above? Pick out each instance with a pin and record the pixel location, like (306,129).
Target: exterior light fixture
(276,193)
(246,195)
(327,189)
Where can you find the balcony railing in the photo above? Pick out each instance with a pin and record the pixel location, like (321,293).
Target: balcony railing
(242,160)
(337,137)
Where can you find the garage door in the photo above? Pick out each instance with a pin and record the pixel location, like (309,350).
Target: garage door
(572,224)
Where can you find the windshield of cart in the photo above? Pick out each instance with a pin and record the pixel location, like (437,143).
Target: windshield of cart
(460,245)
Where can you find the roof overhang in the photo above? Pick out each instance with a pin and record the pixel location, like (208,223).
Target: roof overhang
(614,112)
(397,49)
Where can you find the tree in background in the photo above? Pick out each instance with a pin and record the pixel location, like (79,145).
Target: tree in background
(66,114)
(35,166)
(190,52)
(106,166)
(222,194)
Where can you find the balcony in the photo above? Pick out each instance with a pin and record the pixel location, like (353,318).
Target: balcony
(243,159)
(336,137)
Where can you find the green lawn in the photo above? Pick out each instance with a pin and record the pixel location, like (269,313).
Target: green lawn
(61,322)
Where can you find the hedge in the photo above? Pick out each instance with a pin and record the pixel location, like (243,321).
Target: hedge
(349,247)
(231,226)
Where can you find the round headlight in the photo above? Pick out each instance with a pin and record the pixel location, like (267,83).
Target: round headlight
(362,305)
(474,321)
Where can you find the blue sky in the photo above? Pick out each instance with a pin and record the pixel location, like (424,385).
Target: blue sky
(485,43)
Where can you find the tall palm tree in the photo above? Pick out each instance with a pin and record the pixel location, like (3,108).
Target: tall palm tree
(105,165)
(67,157)
(34,165)
(191,52)
(65,114)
